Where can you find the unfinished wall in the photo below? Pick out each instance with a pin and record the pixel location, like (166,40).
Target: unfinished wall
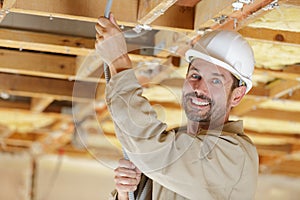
(62,178)
(15,176)
(276,187)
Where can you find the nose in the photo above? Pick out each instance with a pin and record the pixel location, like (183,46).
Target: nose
(200,87)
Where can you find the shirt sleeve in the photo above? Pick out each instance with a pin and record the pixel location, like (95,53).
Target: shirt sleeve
(173,160)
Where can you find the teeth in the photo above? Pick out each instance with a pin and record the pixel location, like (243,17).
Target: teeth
(199,103)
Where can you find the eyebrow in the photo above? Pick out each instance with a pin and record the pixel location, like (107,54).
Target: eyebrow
(214,73)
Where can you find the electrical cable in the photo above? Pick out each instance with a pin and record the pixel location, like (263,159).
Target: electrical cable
(107,78)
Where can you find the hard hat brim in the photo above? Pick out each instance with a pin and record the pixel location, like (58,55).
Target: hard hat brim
(192,54)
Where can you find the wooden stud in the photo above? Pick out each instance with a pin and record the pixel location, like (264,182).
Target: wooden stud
(40,104)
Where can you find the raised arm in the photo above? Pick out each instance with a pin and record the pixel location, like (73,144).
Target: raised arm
(111,45)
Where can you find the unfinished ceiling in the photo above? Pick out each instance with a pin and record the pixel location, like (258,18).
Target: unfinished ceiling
(49,70)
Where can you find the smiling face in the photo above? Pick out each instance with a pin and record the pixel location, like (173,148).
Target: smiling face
(207,93)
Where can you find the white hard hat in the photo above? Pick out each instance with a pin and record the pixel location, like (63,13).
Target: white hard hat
(226,49)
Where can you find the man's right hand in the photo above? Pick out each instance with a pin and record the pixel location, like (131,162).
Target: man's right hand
(127,178)
(111,45)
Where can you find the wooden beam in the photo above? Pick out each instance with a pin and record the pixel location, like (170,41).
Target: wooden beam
(40,104)
(246,105)
(282,165)
(293,95)
(187,3)
(46,42)
(281,87)
(290,2)
(219,14)
(164,16)
(53,88)
(88,66)
(271,35)
(14,104)
(284,137)
(37,64)
(86,10)
(206,10)
(288,73)
(5,6)
(246,15)
(270,124)
(169,42)
(293,117)
(261,93)
(125,12)
(149,11)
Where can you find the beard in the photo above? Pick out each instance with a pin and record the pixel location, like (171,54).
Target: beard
(212,113)
(197,114)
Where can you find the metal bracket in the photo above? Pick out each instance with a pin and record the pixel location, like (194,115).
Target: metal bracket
(138,28)
(221,19)
(271,6)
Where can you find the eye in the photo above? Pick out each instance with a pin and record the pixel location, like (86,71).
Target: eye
(196,76)
(216,81)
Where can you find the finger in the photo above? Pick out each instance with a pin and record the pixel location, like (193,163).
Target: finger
(104,22)
(137,170)
(113,20)
(99,37)
(125,180)
(124,172)
(99,29)
(126,164)
(125,188)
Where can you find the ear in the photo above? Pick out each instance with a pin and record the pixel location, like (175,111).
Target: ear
(237,95)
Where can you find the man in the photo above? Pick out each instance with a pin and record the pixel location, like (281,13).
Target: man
(210,158)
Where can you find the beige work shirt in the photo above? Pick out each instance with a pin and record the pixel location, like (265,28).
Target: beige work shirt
(216,164)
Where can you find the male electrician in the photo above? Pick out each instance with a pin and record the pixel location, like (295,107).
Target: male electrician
(211,158)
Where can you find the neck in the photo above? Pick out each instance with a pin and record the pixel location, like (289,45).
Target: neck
(195,127)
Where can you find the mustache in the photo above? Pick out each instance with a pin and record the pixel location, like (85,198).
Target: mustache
(200,96)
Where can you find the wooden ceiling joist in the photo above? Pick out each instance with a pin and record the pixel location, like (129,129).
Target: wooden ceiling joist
(293,117)
(261,93)
(176,18)
(187,3)
(46,42)
(14,104)
(47,87)
(90,10)
(206,10)
(290,2)
(281,87)
(37,64)
(271,35)
(223,16)
(287,73)
(149,11)
(5,6)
